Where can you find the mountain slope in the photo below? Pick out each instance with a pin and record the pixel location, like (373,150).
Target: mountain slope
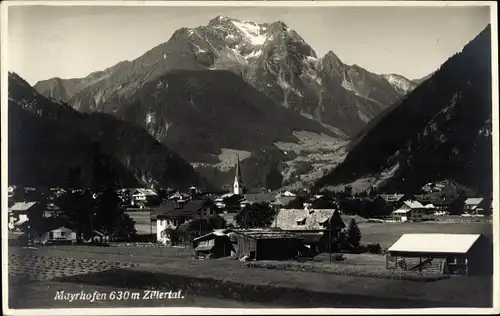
(203,115)
(52,144)
(64,89)
(441,130)
(400,83)
(270,56)
(197,112)
(420,80)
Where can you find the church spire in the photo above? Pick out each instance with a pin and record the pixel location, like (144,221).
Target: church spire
(238,182)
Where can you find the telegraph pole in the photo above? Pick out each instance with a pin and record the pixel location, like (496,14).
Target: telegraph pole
(330,238)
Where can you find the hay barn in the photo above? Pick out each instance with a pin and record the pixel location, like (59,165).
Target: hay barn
(466,254)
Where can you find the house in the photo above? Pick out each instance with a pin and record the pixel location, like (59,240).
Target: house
(268,198)
(477,205)
(395,200)
(411,211)
(49,231)
(434,187)
(11,190)
(468,254)
(172,215)
(60,235)
(179,197)
(194,192)
(99,237)
(20,212)
(143,197)
(125,196)
(313,226)
(265,244)
(286,197)
(229,202)
(57,192)
(52,210)
(214,245)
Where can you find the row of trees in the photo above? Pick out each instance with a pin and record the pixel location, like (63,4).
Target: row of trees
(87,210)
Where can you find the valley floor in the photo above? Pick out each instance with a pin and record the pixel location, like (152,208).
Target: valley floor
(227,283)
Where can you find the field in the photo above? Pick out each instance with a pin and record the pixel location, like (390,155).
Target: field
(388,233)
(229,283)
(143,224)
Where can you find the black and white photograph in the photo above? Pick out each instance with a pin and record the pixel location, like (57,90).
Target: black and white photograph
(209,157)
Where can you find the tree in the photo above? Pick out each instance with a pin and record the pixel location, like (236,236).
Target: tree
(103,174)
(173,234)
(456,207)
(296,203)
(74,178)
(353,233)
(124,227)
(322,203)
(255,215)
(107,210)
(206,225)
(348,190)
(76,208)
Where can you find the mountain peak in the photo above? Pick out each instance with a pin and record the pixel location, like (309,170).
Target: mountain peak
(332,59)
(220,19)
(331,55)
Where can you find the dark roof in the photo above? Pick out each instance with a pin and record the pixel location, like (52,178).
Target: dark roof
(261,233)
(260,197)
(309,238)
(212,235)
(435,200)
(173,210)
(395,197)
(204,247)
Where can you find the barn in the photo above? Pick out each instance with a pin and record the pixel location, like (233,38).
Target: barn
(264,244)
(216,244)
(466,254)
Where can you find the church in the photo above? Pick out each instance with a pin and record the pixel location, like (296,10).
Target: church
(238,186)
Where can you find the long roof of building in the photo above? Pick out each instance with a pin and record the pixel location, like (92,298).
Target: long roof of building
(22,206)
(264,233)
(435,243)
(314,219)
(171,209)
(473,201)
(413,204)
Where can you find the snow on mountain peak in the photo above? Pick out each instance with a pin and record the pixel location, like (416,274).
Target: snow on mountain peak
(253,32)
(400,83)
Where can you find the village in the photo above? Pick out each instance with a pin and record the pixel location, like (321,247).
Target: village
(269,226)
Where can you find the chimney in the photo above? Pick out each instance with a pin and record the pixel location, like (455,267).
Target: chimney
(307,208)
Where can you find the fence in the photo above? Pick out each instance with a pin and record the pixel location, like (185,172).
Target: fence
(461,219)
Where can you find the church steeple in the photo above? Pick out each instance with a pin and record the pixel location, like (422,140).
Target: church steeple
(238,182)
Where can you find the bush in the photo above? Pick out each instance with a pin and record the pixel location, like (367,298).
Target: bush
(374,248)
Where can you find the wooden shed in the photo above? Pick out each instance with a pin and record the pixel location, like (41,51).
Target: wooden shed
(262,244)
(467,254)
(215,244)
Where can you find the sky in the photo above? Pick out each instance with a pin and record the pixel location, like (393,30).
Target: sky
(73,41)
